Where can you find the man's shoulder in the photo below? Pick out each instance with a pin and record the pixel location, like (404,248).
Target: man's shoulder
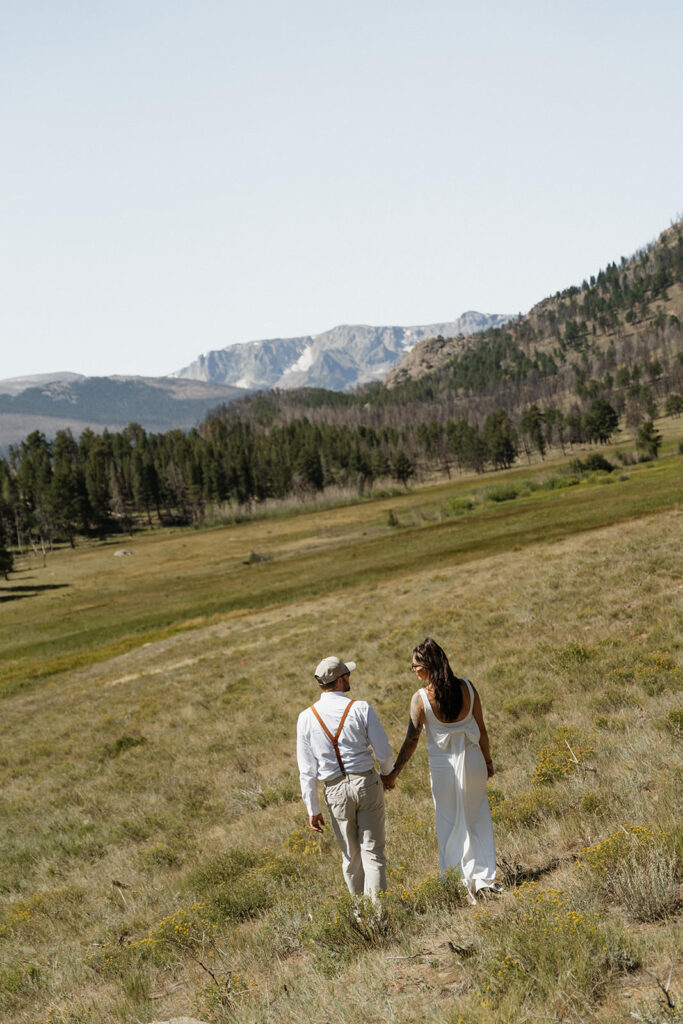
(367,711)
(304,715)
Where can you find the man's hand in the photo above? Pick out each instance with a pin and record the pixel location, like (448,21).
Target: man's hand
(316,822)
(389,781)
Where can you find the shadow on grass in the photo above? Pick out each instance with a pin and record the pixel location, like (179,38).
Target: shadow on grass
(17,593)
(515,874)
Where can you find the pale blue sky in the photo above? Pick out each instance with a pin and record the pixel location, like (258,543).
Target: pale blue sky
(178,176)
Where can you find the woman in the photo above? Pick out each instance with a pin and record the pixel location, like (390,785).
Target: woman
(450,712)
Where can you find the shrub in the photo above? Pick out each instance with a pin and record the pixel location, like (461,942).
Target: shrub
(348,925)
(658,672)
(544,950)
(189,930)
(566,752)
(593,802)
(256,556)
(344,927)
(122,744)
(534,704)
(593,463)
(526,808)
(504,492)
(597,463)
(457,507)
(238,884)
(286,793)
(435,892)
(674,721)
(160,855)
(614,697)
(555,483)
(635,868)
(573,654)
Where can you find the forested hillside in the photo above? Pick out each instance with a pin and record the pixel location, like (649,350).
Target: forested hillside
(568,373)
(626,312)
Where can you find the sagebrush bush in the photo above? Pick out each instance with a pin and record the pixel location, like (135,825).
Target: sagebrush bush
(635,868)
(347,925)
(543,947)
(658,672)
(526,808)
(674,721)
(566,752)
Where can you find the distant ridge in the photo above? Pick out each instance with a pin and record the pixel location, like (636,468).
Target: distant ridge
(56,401)
(339,359)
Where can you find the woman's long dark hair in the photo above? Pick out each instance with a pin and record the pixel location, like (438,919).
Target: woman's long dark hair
(447,690)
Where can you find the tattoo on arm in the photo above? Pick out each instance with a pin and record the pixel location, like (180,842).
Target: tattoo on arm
(412,735)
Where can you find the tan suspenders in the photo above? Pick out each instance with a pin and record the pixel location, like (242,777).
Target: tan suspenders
(335,738)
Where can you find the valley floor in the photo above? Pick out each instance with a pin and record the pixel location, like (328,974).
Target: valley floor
(154,857)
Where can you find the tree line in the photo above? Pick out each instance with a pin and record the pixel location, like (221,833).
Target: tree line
(103,483)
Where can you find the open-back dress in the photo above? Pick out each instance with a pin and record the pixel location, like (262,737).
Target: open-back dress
(458,774)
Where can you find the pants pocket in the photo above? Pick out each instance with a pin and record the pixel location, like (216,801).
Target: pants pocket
(336,798)
(372,793)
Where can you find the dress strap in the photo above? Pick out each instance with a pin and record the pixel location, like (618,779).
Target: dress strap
(425,700)
(470,690)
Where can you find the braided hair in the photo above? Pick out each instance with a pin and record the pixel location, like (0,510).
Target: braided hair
(447,690)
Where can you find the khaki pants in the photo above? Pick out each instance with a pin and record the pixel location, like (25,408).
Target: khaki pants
(356,805)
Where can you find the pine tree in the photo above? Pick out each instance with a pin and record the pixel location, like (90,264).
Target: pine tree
(649,440)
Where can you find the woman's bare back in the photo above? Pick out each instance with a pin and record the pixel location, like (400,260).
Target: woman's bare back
(464,711)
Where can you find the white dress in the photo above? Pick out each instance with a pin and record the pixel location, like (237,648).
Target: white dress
(458,774)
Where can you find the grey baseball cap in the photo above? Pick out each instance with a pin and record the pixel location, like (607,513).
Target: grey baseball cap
(331,669)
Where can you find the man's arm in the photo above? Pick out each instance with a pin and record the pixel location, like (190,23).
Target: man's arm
(379,741)
(415,723)
(308,777)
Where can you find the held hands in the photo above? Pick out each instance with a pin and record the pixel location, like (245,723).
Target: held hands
(389,781)
(316,822)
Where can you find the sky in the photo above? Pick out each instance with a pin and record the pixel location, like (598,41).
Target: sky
(182,175)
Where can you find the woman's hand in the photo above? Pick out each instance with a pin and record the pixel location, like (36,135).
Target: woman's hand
(389,780)
(489,768)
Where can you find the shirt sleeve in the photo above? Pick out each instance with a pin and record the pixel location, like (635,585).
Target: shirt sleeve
(380,743)
(308,769)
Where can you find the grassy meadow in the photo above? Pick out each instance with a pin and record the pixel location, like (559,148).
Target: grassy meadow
(154,860)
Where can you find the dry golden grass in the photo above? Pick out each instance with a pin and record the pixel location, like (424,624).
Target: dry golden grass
(163,778)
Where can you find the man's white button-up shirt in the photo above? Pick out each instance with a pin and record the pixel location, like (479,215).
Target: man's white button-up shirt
(315,753)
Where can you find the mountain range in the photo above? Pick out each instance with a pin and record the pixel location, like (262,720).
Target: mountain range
(337,360)
(58,401)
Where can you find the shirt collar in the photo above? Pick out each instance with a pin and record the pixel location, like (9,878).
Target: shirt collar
(327,695)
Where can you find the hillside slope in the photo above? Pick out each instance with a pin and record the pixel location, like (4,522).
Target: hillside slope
(626,311)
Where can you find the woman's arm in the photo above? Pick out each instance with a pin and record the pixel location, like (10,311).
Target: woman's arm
(484,737)
(410,743)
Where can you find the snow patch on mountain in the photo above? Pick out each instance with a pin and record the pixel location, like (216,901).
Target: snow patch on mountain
(339,359)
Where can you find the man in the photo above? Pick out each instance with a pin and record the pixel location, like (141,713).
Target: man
(335,742)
